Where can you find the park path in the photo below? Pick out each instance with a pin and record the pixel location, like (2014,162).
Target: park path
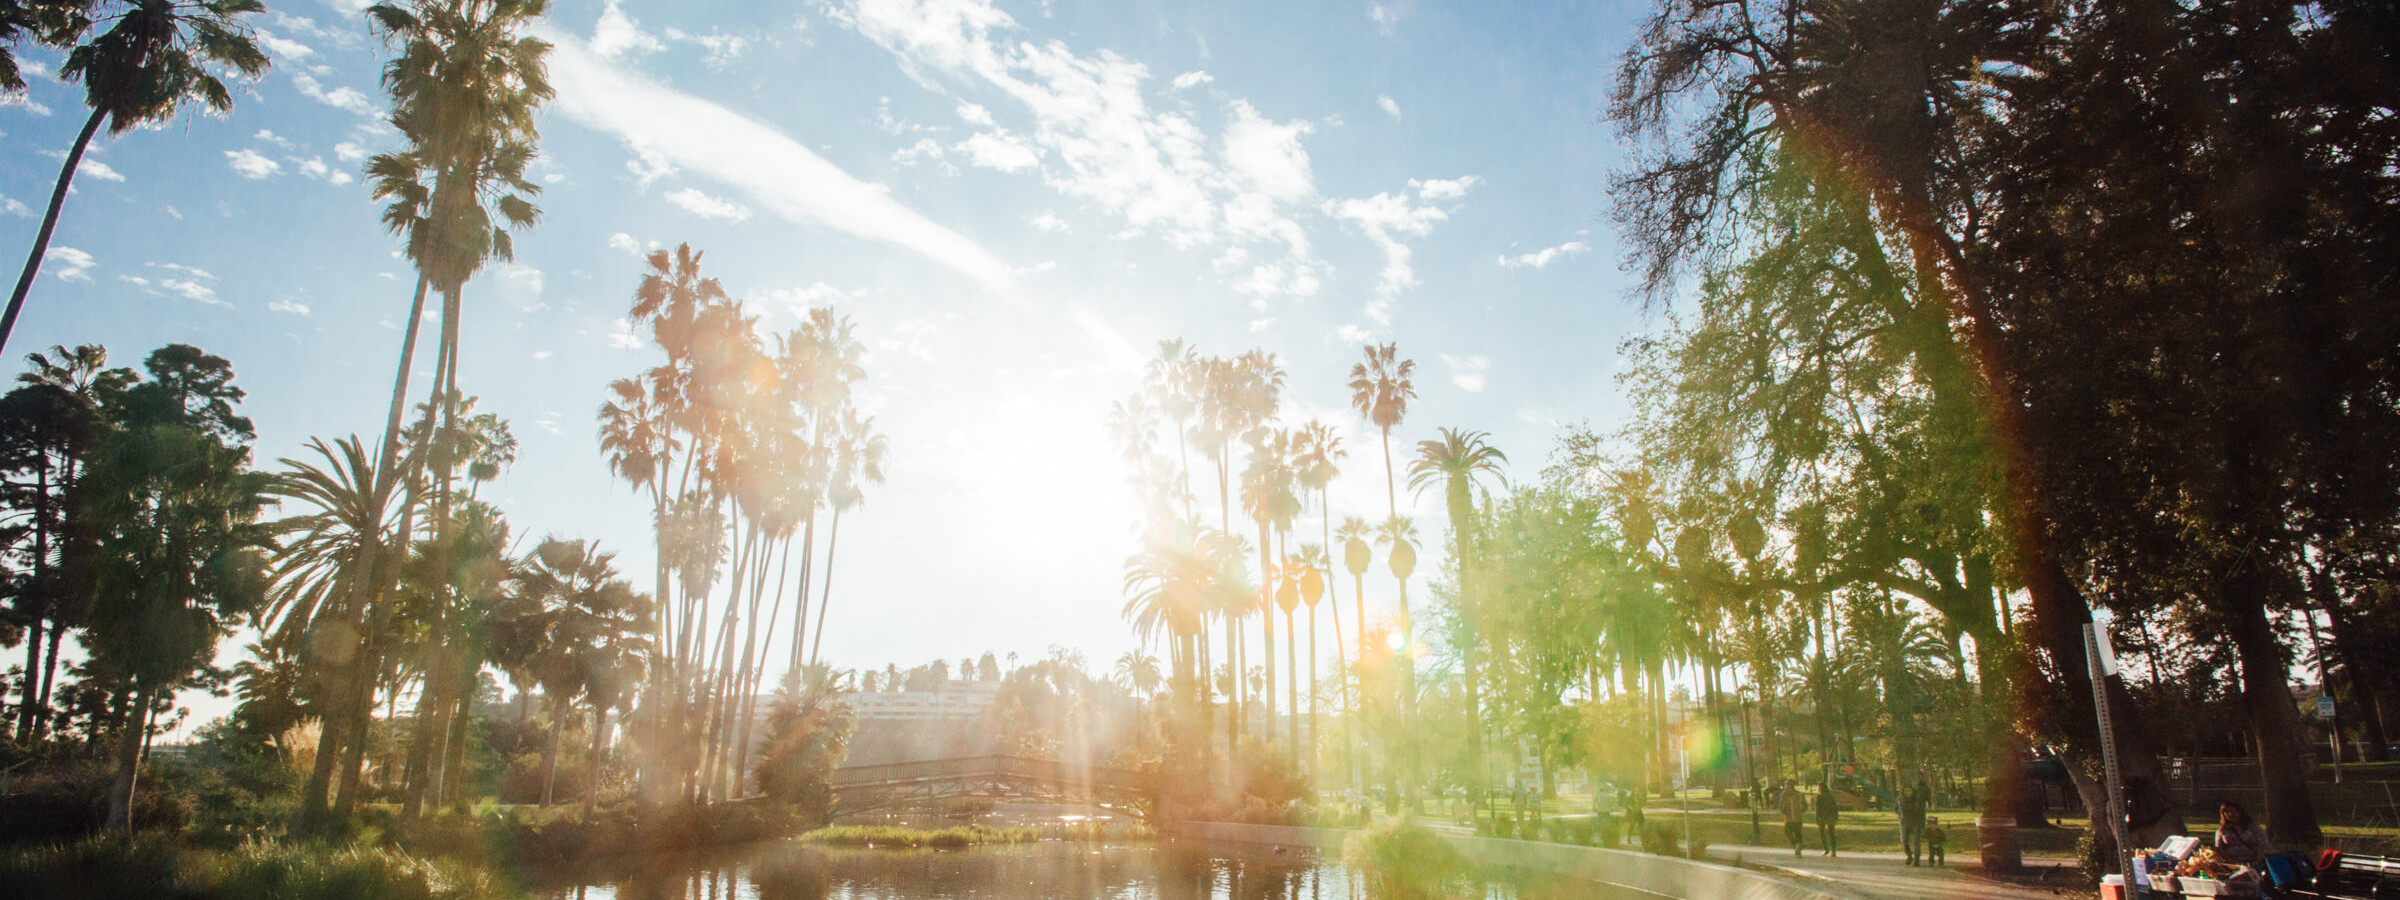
(1887,876)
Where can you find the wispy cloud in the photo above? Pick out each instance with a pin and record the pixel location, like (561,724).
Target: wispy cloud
(1386,218)
(69,264)
(1095,137)
(1049,222)
(700,203)
(294,307)
(1467,371)
(341,98)
(1390,106)
(252,165)
(774,171)
(1541,259)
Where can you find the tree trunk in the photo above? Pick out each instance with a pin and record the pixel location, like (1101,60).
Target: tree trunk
(558,718)
(833,537)
(41,239)
(591,786)
(129,759)
(2274,718)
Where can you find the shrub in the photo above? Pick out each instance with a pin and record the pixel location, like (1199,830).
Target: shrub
(1402,860)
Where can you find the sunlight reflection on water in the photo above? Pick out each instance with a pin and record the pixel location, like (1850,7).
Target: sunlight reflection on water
(1066,871)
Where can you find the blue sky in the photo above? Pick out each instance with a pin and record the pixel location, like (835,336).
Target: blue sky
(1015,199)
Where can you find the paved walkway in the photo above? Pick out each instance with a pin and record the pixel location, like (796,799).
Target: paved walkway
(1887,876)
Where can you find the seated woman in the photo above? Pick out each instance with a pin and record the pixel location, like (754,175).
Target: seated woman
(2239,840)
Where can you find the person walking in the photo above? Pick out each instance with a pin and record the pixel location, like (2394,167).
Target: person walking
(1828,815)
(1794,829)
(1912,817)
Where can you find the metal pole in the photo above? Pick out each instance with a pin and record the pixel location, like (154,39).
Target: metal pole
(2108,753)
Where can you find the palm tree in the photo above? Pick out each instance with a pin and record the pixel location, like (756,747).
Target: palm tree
(590,621)
(1453,463)
(1182,576)
(859,453)
(1137,671)
(1357,554)
(157,56)
(1401,534)
(323,558)
(1174,386)
(1312,567)
(1380,389)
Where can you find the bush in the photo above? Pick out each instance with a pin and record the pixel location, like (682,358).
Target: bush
(1402,860)
(155,866)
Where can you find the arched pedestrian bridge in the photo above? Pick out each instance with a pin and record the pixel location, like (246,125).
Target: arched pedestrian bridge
(859,789)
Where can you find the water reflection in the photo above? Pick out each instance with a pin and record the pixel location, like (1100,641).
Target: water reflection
(1066,871)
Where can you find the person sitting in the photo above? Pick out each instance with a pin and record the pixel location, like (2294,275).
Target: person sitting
(2239,840)
(1934,836)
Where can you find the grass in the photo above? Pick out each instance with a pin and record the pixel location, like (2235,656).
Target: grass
(155,866)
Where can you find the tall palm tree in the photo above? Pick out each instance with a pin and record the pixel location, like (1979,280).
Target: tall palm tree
(1312,566)
(859,454)
(1357,554)
(1138,672)
(1380,389)
(591,626)
(1401,534)
(1453,464)
(153,58)
(1174,383)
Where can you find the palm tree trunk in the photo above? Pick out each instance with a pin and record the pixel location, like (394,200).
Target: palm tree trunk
(1266,624)
(808,554)
(1312,676)
(1291,668)
(833,537)
(41,239)
(591,784)
(558,715)
(129,760)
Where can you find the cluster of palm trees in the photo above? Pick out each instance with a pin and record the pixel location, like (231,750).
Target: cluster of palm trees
(1190,574)
(743,446)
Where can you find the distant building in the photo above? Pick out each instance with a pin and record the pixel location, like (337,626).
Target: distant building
(956,701)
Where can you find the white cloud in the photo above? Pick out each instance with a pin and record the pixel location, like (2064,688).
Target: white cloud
(294,307)
(1390,106)
(624,243)
(1467,371)
(191,289)
(202,274)
(315,167)
(775,171)
(1189,80)
(1385,218)
(339,98)
(796,302)
(1258,325)
(69,264)
(10,206)
(1383,16)
(975,114)
(284,49)
(540,355)
(1048,222)
(24,99)
(923,150)
(1001,151)
(272,138)
(1541,259)
(617,34)
(349,152)
(525,277)
(250,164)
(1100,141)
(622,336)
(699,203)
(722,49)
(97,169)
(1444,189)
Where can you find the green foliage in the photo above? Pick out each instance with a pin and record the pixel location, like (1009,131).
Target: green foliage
(155,866)
(808,735)
(1402,860)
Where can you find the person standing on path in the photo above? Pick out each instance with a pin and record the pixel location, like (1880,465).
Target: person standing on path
(1794,828)
(1828,815)
(1912,817)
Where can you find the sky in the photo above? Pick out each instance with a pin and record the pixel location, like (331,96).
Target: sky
(1015,200)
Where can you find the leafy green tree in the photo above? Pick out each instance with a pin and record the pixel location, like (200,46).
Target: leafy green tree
(154,57)
(178,558)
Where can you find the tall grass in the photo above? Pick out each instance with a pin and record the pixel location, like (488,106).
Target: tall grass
(1402,860)
(151,866)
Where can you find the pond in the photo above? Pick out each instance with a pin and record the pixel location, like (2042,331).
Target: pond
(1040,871)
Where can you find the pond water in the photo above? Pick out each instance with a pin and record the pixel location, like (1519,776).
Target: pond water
(1041,871)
